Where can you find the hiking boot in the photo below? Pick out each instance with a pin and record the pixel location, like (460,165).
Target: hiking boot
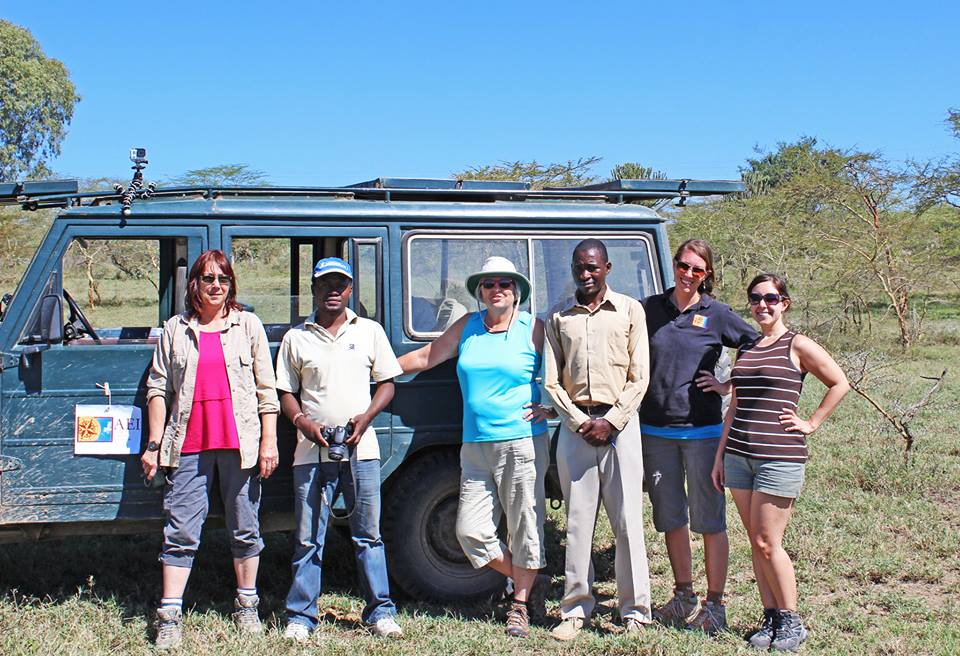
(296,632)
(762,637)
(386,627)
(537,601)
(635,626)
(680,610)
(518,620)
(568,628)
(711,619)
(245,613)
(168,628)
(789,632)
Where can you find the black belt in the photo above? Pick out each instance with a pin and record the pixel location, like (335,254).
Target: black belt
(596,410)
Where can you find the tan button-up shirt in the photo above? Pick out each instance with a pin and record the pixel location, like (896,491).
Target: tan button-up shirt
(249,372)
(597,357)
(332,374)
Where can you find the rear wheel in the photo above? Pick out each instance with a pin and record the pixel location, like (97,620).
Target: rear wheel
(419,524)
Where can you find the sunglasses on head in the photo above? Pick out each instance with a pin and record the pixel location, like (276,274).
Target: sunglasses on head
(769,299)
(222,279)
(504,283)
(698,272)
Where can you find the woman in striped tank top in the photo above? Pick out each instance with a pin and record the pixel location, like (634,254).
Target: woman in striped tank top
(763,450)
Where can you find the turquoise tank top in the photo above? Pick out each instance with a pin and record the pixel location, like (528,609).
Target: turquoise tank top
(496,373)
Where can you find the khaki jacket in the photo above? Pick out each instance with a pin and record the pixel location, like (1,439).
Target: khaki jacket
(249,371)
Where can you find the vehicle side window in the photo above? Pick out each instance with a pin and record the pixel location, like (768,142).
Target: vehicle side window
(274,276)
(437,268)
(632,273)
(114,285)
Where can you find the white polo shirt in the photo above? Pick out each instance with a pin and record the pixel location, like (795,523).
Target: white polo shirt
(332,373)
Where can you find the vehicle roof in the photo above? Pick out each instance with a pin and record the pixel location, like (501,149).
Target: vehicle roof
(410,198)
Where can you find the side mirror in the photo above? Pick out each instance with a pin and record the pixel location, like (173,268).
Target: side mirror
(51,319)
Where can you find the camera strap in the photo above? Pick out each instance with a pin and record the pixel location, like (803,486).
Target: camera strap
(353,479)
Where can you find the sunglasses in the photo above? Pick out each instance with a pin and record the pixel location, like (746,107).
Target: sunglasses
(505,283)
(695,271)
(222,279)
(769,299)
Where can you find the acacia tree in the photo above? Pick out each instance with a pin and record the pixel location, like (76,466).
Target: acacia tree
(36,105)
(877,228)
(842,226)
(636,171)
(222,174)
(572,173)
(939,181)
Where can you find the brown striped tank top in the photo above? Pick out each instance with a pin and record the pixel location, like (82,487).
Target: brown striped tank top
(766,381)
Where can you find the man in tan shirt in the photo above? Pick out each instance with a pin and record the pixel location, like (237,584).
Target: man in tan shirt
(596,372)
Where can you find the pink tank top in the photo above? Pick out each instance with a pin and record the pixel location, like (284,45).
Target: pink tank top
(211,424)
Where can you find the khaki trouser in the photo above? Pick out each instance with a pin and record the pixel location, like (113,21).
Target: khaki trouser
(503,479)
(615,475)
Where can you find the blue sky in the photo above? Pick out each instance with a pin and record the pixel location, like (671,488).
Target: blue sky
(334,93)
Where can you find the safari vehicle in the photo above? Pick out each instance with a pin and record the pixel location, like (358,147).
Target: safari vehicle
(85,318)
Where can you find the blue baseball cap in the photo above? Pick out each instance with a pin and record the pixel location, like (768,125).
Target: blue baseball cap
(332,265)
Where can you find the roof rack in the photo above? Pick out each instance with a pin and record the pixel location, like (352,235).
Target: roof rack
(667,189)
(64,193)
(440,183)
(19,193)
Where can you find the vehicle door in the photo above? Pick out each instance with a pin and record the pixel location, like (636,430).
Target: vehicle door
(107,290)
(274,277)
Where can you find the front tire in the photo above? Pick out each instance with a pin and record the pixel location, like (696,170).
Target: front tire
(420,516)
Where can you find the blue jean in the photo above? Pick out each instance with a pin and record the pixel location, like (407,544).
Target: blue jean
(326,480)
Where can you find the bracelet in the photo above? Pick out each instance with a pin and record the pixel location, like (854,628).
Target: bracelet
(296,417)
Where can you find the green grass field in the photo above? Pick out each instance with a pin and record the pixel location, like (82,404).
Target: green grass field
(875,542)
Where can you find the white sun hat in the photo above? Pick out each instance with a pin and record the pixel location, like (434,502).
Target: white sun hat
(496,266)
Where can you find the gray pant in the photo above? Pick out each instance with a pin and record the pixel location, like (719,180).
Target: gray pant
(668,464)
(615,475)
(186,502)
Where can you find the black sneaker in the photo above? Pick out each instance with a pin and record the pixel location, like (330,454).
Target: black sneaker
(789,633)
(762,637)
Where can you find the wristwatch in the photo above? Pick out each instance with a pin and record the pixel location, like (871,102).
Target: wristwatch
(153,446)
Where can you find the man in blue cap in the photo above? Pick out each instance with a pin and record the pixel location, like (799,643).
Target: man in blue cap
(324,369)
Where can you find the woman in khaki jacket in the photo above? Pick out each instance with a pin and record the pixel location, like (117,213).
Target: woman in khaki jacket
(212,408)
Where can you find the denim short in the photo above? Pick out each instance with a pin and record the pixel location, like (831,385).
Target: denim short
(777,478)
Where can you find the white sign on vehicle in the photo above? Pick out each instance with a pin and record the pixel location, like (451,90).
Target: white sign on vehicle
(106,429)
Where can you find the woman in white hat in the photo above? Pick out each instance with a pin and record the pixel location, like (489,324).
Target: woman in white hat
(505,452)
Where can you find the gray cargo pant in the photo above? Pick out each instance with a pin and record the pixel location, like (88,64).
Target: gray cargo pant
(186,502)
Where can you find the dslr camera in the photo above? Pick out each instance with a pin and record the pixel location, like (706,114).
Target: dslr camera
(336,437)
